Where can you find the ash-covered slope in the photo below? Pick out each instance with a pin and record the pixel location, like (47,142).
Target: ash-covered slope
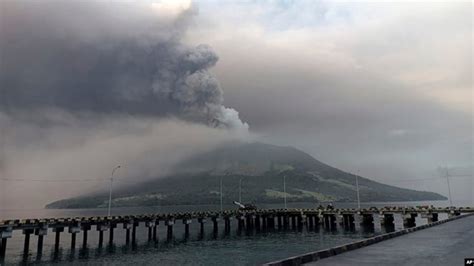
(261,167)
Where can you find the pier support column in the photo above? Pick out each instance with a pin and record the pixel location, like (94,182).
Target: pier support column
(151,226)
(134,232)
(41,231)
(409,219)
(5,233)
(101,228)
(348,220)
(286,221)
(279,221)
(26,244)
(248,221)
(367,219)
(215,221)
(227,224)
(127,226)
(329,221)
(310,221)
(57,231)
(73,230)
(202,221)
(240,222)
(112,226)
(169,223)
(433,218)
(257,222)
(271,222)
(317,220)
(387,219)
(264,222)
(85,230)
(300,220)
(155,228)
(186,222)
(453,213)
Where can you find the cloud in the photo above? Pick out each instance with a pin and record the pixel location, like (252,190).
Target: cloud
(112,58)
(340,79)
(88,85)
(72,156)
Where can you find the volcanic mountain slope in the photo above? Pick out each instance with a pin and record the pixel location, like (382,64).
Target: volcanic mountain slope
(261,167)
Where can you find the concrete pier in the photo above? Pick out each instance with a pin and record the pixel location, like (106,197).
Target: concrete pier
(169,224)
(40,232)
(409,219)
(202,221)
(57,232)
(26,244)
(112,226)
(127,226)
(134,232)
(444,244)
(251,220)
(186,223)
(85,230)
(367,219)
(74,228)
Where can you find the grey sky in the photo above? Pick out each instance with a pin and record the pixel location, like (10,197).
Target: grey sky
(381,88)
(384,88)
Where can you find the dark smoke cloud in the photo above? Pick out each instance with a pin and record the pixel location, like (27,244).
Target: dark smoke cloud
(107,58)
(87,85)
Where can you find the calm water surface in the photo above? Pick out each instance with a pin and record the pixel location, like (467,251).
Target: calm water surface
(232,249)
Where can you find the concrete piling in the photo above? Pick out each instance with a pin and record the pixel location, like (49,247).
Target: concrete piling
(112,226)
(3,249)
(186,223)
(5,233)
(348,220)
(169,223)
(127,226)
(57,238)
(85,229)
(74,228)
(226,224)
(201,221)
(150,224)
(215,221)
(386,219)
(409,219)
(257,222)
(41,231)
(134,232)
(101,228)
(26,244)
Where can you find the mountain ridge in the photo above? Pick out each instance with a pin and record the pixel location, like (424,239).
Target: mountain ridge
(260,168)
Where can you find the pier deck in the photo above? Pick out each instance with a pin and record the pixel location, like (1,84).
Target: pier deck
(445,244)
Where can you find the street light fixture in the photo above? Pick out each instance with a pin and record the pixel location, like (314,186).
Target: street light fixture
(110,189)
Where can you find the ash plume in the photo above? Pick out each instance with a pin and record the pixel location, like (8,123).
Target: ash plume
(108,58)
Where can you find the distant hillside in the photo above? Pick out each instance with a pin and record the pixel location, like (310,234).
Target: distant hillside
(261,168)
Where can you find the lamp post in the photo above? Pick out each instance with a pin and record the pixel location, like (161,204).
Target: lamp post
(284,189)
(110,189)
(449,187)
(240,190)
(220,193)
(357,186)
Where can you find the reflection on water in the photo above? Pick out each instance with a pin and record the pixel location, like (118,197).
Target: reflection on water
(230,248)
